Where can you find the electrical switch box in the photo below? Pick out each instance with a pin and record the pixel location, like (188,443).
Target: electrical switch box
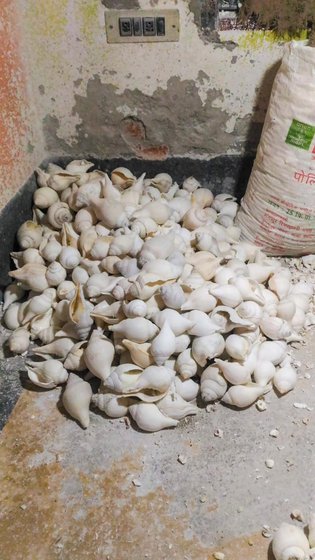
(137,26)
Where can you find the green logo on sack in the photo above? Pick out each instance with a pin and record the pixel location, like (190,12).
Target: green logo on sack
(300,135)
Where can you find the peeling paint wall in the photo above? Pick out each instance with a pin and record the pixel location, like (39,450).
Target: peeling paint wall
(21,145)
(199,97)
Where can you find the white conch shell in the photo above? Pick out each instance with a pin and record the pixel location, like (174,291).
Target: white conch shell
(61,180)
(47,374)
(285,379)
(264,372)
(276,328)
(228,295)
(55,274)
(130,198)
(29,235)
(179,206)
(75,359)
(58,214)
(29,255)
(122,245)
(122,177)
(200,299)
(149,418)
(87,240)
(45,197)
(31,275)
(114,406)
(50,249)
(173,295)
(249,289)
(79,166)
(135,308)
(234,373)
(260,272)
(174,406)
(187,389)
(99,355)
(139,353)
(84,219)
(202,197)
(205,263)
(100,247)
(39,304)
(207,347)
(197,217)
(286,310)
(191,184)
(181,343)
(41,177)
(79,275)
(137,329)
(123,378)
(76,399)
(243,396)
(66,290)
(10,317)
(144,226)
(108,313)
(79,313)
(162,181)
(212,384)
(251,311)
(280,283)
(159,247)
(274,351)
(290,543)
(109,264)
(69,257)
(110,212)
(14,292)
(237,347)
(202,324)
(19,341)
(178,324)
(40,322)
(186,365)
(59,347)
(163,345)
(154,379)
(156,210)
(99,284)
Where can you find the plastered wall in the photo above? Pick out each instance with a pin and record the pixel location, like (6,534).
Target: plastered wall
(203,96)
(21,142)
(65,91)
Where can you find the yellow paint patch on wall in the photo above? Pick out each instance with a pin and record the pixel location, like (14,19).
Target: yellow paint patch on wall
(88,17)
(261,39)
(47,19)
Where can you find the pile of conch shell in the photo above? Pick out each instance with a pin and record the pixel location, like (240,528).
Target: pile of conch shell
(148,287)
(291,543)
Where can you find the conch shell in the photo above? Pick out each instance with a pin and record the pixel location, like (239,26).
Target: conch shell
(47,374)
(76,399)
(149,418)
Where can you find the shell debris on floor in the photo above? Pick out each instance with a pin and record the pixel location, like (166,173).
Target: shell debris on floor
(144,301)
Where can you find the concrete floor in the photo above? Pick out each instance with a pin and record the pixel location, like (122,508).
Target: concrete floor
(114,493)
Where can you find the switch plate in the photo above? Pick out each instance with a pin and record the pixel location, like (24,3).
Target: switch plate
(156,26)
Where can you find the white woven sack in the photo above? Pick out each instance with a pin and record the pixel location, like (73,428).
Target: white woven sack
(278,209)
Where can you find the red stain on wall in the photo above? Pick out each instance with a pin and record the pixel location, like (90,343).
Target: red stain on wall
(12,87)
(133,131)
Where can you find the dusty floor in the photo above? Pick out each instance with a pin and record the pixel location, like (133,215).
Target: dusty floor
(114,493)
